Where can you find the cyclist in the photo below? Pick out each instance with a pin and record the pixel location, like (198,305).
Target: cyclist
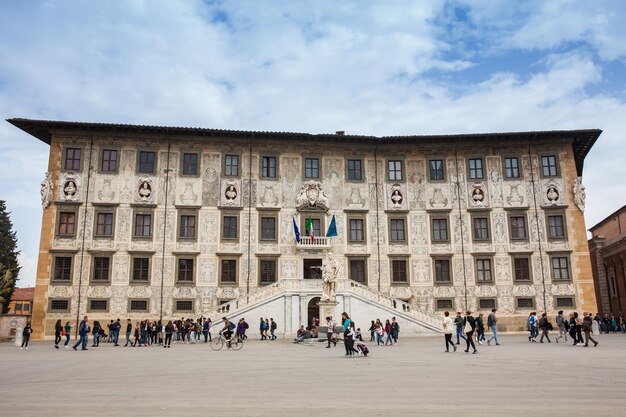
(227,331)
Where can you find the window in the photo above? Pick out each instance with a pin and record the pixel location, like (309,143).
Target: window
(59,305)
(62,268)
(104,224)
(228,273)
(67,223)
(229,227)
(185,270)
(556,228)
(358,270)
(184,305)
(231,165)
(486,303)
(141,270)
(317,227)
(101,268)
(444,304)
(138,305)
(560,268)
(355,172)
(143,225)
(146,162)
(476,169)
(436,170)
(564,302)
(525,303)
(521,268)
(268,228)
(18,307)
(481,228)
(357,230)
(311,168)
(98,305)
(511,167)
(399,271)
(440,230)
(268,168)
(26,307)
(187,228)
(397,230)
(442,271)
(483,270)
(548,166)
(518,227)
(109,160)
(267,271)
(394,170)
(190,164)
(72,159)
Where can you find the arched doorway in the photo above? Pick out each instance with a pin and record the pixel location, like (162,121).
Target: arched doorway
(313,311)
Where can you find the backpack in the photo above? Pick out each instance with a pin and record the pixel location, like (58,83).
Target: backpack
(231,325)
(566,324)
(245,325)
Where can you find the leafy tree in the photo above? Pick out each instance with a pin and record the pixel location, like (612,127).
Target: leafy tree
(9,265)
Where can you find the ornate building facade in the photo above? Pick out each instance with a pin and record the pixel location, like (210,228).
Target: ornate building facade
(162,222)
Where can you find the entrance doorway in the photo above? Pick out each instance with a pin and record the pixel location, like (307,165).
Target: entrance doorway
(312,268)
(313,311)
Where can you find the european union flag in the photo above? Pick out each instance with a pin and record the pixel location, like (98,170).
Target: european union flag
(296,230)
(332,228)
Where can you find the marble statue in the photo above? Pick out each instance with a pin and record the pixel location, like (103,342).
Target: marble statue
(330,269)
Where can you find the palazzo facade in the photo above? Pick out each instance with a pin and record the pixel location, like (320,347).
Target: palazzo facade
(166,222)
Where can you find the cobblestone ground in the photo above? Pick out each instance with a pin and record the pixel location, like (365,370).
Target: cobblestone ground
(283,379)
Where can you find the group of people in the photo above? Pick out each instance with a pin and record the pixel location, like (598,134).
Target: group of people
(390,329)
(573,325)
(468,328)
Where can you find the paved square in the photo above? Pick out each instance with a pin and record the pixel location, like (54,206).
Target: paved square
(284,379)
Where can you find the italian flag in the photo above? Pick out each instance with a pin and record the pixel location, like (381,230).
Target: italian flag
(309,225)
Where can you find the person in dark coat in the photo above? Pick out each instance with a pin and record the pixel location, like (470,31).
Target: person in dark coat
(26,336)
(58,329)
(469,328)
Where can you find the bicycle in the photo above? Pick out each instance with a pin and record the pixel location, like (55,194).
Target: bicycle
(234,343)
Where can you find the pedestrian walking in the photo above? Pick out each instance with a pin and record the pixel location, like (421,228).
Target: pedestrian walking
(129,330)
(273,327)
(345,321)
(380,332)
(492,323)
(96,334)
(560,323)
(169,330)
(469,326)
(330,330)
(68,334)
(26,336)
(262,329)
(480,329)
(83,332)
(395,329)
(372,330)
(545,327)
(447,331)
(388,331)
(587,324)
(579,328)
(532,326)
(459,322)
(58,329)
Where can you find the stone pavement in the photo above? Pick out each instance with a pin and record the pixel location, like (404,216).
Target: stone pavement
(283,379)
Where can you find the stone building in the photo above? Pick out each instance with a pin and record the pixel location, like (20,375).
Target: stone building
(607,248)
(22,301)
(162,222)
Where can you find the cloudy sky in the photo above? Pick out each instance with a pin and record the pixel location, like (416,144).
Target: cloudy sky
(366,67)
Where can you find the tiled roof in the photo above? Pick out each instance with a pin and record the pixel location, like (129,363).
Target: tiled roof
(23,294)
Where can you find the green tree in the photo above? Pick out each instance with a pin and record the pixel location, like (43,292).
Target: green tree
(9,265)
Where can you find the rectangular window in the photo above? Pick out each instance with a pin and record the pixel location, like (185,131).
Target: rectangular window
(67,223)
(26,307)
(525,303)
(143,225)
(190,164)
(18,307)
(399,273)
(231,165)
(267,271)
(72,159)
(311,168)
(560,268)
(548,166)
(394,170)
(483,270)
(357,230)
(138,305)
(228,273)
(109,160)
(511,167)
(98,305)
(317,227)
(146,162)
(481,228)
(522,269)
(486,303)
(59,305)
(518,227)
(229,227)
(185,270)
(268,169)
(435,168)
(268,228)
(184,305)
(476,169)
(62,268)
(104,224)
(556,228)
(187,227)
(357,271)
(440,230)
(564,302)
(397,230)
(444,304)
(101,268)
(442,271)
(141,269)
(354,170)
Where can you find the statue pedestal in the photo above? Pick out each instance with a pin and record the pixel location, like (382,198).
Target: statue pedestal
(327,308)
